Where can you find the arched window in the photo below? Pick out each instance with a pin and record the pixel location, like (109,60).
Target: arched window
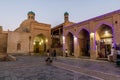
(29,17)
(18,46)
(26,30)
(32,17)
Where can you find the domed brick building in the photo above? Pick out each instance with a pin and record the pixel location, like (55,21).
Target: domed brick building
(31,37)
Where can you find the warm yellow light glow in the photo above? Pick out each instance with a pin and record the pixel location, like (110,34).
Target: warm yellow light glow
(75,38)
(39,43)
(33,43)
(63,39)
(46,40)
(92,35)
(106,32)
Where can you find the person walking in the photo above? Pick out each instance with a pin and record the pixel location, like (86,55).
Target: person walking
(48,60)
(54,54)
(48,53)
(66,53)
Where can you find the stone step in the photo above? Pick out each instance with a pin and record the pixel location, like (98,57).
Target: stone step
(95,74)
(6,57)
(104,59)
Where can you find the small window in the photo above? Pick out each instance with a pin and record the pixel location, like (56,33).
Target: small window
(32,17)
(29,17)
(26,30)
(18,46)
(116,22)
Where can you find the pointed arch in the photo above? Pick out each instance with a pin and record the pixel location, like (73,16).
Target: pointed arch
(83,29)
(70,43)
(40,42)
(18,46)
(70,33)
(83,42)
(104,37)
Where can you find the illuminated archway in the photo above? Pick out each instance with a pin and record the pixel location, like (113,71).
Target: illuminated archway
(70,43)
(40,44)
(84,43)
(104,40)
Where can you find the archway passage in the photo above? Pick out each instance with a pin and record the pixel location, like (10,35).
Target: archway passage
(84,43)
(70,44)
(40,44)
(104,40)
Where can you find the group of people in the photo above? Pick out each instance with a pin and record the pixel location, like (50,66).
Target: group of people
(51,56)
(115,53)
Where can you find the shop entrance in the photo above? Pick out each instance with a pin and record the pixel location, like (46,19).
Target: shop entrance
(40,44)
(104,41)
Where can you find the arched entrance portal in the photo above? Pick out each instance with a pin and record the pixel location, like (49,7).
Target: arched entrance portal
(84,43)
(70,44)
(104,39)
(40,44)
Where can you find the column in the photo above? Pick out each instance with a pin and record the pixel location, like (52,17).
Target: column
(75,46)
(93,52)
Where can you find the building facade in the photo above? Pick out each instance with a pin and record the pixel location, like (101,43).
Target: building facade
(57,35)
(3,41)
(93,38)
(30,38)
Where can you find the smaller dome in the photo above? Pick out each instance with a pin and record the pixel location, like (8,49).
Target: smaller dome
(66,13)
(31,12)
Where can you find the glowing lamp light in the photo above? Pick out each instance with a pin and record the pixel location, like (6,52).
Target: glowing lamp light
(40,43)
(46,40)
(33,43)
(63,39)
(75,38)
(106,32)
(92,34)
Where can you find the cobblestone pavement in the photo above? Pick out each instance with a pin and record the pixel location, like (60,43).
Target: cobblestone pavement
(97,65)
(34,68)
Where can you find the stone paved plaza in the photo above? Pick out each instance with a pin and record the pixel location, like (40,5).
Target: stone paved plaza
(34,68)
(96,65)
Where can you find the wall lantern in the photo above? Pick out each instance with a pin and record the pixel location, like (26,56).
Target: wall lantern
(106,32)
(63,39)
(39,43)
(75,38)
(33,43)
(91,35)
(46,40)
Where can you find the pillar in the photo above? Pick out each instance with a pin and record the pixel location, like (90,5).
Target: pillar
(64,44)
(93,52)
(76,51)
